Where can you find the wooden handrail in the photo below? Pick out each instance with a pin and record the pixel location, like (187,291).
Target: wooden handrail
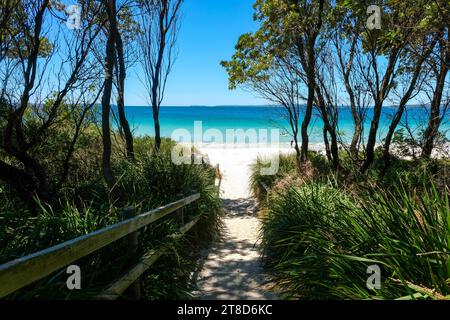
(116,288)
(23,271)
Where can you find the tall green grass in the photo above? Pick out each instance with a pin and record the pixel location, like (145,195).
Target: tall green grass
(319,240)
(287,167)
(151,181)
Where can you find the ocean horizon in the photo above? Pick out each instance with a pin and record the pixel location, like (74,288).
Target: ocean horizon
(262,118)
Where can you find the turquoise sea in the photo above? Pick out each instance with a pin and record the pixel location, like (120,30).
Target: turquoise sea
(225,118)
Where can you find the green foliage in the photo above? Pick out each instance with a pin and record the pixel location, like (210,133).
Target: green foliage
(319,241)
(83,207)
(320,235)
(287,166)
(282,24)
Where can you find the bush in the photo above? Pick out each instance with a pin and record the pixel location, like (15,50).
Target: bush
(84,207)
(319,241)
(287,167)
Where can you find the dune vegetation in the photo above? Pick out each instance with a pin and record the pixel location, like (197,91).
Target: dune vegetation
(320,234)
(70,162)
(83,206)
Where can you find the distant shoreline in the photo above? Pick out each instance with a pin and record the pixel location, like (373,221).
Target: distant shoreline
(412,106)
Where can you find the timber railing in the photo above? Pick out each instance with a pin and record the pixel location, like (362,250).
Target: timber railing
(24,271)
(218,179)
(266,189)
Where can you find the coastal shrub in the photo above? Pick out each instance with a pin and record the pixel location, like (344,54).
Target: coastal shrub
(414,174)
(287,167)
(319,240)
(147,183)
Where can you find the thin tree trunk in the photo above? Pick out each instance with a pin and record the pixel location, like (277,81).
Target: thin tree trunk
(354,149)
(435,120)
(297,151)
(346,69)
(306,122)
(379,100)
(398,116)
(402,107)
(371,141)
(157,146)
(121,96)
(327,144)
(106,99)
(333,148)
(309,63)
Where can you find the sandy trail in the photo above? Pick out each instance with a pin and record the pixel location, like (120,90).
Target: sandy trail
(232,268)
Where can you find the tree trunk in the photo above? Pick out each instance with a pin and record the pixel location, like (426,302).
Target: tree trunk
(157,146)
(372,140)
(402,107)
(333,148)
(398,116)
(357,121)
(309,63)
(434,122)
(387,144)
(297,152)
(327,144)
(381,95)
(306,122)
(354,149)
(106,99)
(121,96)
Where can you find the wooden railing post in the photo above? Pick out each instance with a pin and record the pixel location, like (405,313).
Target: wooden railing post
(26,270)
(180,216)
(267,190)
(132,247)
(219,177)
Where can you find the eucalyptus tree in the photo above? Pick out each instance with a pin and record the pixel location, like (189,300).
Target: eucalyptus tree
(439,62)
(288,37)
(412,75)
(49,65)
(344,33)
(111,13)
(412,26)
(119,28)
(328,98)
(383,49)
(125,36)
(260,69)
(159,25)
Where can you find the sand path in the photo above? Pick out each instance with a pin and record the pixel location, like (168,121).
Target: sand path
(232,268)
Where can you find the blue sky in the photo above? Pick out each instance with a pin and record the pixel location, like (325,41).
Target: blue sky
(209,32)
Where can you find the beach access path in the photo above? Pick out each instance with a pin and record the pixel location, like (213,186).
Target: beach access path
(232,267)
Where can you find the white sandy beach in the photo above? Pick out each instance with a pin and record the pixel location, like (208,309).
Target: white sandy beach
(235,161)
(232,267)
